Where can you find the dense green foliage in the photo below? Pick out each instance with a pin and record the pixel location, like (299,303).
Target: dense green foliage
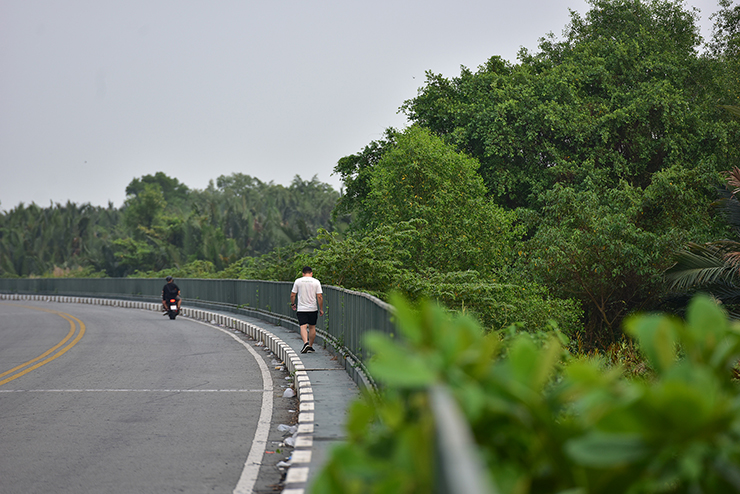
(545,421)
(35,240)
(164,224)
(622,97)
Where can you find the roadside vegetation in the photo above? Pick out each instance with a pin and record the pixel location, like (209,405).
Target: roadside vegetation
(547,421)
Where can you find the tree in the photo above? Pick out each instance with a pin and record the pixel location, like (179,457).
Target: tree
(164,224)
(725,41)
(594,249)
(36,240)
(713,267)
(422,178)
(355,172)
(174,192)
(428,230)
(144,209)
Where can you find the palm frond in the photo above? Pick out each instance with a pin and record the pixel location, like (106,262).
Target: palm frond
(735,110)
(733,179)
(727,294)
(701,265)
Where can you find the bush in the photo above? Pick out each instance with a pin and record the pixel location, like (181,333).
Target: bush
(547,422)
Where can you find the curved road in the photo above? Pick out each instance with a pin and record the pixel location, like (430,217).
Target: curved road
(105,399)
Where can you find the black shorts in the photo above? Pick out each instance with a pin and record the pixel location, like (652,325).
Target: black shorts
(309,318)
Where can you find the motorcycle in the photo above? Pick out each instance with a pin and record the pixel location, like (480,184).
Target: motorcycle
(172,308)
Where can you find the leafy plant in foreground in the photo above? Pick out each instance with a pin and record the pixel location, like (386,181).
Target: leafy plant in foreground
(545,422)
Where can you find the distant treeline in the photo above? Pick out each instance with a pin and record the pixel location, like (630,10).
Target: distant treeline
(164,224)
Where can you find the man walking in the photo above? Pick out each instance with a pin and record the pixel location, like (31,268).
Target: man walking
(310,306)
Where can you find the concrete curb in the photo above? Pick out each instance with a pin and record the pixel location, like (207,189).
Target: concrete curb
(297,474)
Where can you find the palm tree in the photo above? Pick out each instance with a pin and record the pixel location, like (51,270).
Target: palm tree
(714,267)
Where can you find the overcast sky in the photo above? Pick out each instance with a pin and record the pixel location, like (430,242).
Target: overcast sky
(94,93)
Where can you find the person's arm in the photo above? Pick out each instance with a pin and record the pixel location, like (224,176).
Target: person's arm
(320,299)
(292,300)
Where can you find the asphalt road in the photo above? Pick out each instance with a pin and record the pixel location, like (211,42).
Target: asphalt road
(113,400)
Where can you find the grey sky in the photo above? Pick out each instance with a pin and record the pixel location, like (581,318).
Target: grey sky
(94,93)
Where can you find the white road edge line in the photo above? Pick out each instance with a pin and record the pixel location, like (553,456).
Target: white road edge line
(252,466)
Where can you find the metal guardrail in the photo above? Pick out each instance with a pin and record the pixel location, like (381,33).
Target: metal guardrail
(348,315)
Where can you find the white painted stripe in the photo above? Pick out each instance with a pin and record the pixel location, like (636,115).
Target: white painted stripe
(296,475)
(305,428)
(304,442)
(252,466)
(301,456)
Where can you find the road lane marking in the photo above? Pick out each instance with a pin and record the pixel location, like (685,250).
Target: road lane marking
(69,335)
(259,444)
(74,324)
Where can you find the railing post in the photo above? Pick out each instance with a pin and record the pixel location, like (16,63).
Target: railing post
(460,468)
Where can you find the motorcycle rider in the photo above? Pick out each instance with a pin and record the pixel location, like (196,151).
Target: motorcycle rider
(170,291)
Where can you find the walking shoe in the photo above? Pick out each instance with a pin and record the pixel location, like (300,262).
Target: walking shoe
(305,348)
(310,349)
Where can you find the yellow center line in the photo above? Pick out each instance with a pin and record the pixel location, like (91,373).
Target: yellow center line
(73,328)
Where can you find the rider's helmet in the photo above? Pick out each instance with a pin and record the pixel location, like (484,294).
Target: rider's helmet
(169,278)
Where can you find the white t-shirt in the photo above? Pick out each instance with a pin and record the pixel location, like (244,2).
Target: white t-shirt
(307,287)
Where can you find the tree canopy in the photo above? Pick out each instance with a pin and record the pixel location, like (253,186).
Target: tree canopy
(164,224)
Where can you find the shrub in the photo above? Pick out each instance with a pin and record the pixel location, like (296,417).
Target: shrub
(547,422)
